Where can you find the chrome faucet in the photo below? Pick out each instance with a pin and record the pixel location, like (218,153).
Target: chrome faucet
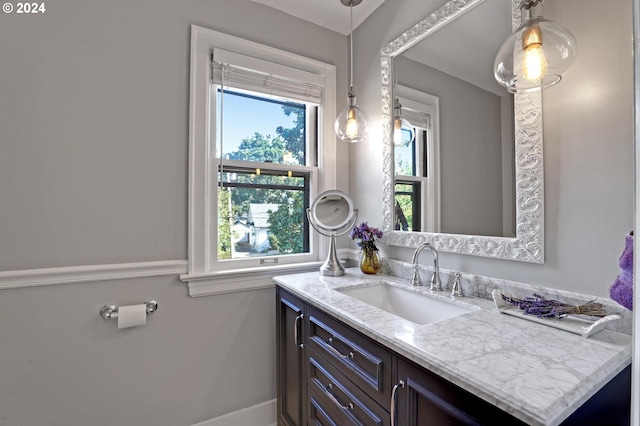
(436,285)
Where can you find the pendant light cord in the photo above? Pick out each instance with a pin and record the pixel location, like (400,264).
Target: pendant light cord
(351,46)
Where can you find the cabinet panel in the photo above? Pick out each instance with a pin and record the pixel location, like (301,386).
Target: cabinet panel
(426,407)
(291,381)
(429,399)
(361,360)
(342,395)
(611,406)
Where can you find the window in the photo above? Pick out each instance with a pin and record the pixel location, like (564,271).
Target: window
(411,178)
(261,147)
(416,165)
(261,199)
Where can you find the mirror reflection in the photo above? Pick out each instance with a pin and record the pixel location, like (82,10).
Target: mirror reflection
(438,189)
(332,210)
(457,174)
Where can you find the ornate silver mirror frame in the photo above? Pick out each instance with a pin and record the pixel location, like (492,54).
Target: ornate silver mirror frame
(528,244)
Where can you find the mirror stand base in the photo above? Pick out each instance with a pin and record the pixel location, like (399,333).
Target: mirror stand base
(332,267)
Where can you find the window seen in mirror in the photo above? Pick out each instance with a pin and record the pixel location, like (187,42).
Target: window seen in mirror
(405,158)
(411,176)
(408,202)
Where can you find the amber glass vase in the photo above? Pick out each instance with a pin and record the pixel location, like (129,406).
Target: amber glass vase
(369,261)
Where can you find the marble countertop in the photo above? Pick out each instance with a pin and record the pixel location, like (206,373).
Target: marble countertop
(537,373)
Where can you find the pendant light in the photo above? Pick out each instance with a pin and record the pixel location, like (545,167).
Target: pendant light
(536,55)
(352,124)
(403,133)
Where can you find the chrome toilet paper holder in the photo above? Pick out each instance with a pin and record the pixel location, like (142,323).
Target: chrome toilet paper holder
(111,311)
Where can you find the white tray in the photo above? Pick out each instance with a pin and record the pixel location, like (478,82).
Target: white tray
(570,323)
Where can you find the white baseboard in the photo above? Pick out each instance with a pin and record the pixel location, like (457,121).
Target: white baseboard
(263,414)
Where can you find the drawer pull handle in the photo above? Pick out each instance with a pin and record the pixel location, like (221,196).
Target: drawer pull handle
(337,352)
(394,403)
(328,389)
(296,333)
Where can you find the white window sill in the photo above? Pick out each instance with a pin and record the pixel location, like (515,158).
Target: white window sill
(235,280)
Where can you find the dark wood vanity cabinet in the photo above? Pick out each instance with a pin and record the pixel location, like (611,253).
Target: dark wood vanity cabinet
(331,374)
(290,358)
(328,374)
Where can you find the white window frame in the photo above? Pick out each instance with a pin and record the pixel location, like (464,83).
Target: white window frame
(202,277)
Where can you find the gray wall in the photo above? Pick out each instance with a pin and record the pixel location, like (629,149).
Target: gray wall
(93,170)
(470,149)
(588,131)
(94,118)
(63,365)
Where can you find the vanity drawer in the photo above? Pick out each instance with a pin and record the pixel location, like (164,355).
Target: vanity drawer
(320,413)
(357,357)
(336,393)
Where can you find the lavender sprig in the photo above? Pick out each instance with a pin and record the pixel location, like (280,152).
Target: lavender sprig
(544,308)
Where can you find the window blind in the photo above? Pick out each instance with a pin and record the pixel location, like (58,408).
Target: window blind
(247,73)
(417,118)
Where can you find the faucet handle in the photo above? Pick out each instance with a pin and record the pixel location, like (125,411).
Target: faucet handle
(415,278)
(456,289)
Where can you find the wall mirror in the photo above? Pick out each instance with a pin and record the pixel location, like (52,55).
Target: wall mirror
(471,181)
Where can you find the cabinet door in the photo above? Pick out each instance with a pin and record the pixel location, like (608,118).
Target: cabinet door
(420,406)
(426,399)
(291,381)
(611,406)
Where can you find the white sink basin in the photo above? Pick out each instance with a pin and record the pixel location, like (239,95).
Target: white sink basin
(410,305)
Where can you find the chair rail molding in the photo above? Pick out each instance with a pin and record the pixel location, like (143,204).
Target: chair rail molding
(88,273)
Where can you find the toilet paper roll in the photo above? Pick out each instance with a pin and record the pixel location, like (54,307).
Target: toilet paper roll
(132,315)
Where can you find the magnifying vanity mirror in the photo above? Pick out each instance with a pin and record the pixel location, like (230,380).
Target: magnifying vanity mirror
(471,181)
(332,214)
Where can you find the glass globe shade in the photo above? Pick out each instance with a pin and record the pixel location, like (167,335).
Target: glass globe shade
(535,56)
(352,125)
